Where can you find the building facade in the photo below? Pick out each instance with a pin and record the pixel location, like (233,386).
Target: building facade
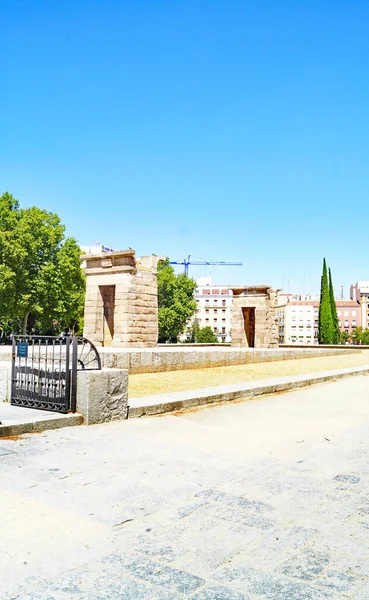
(214,308)
(296,321)
(349,314)
(359,292)
(299,320)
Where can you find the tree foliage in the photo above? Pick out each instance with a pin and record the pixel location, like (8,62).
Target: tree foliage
(360,336)
(336,332)
(192,333)
(200,335)
(365,337)
(175,302)
(356,335)
(41,280)
(206,336)
(344,337)
(325,330)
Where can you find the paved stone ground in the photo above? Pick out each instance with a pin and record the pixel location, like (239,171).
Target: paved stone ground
(259,500)
(175,381)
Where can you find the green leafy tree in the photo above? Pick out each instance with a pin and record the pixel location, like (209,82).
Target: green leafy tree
(336,335)
(365,337)
(9,211)
(206,336)
(62,291)
(175,302)
(356,335)
(344,337)
(193,332)
(40,272)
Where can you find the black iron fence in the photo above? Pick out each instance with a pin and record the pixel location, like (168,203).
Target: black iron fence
(44,370)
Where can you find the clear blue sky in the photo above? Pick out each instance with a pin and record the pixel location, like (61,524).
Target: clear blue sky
(226,129)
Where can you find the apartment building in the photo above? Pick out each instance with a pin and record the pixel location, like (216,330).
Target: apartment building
(349,314)
(299,320)
(214,308)
(359,292)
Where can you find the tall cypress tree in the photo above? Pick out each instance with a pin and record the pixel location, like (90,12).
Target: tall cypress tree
(325,331)
(335,322)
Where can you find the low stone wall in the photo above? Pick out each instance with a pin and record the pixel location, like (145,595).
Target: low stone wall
(175,358)
(155,360)
(343,347)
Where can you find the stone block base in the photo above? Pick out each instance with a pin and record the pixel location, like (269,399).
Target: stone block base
(5,380)
(102,396)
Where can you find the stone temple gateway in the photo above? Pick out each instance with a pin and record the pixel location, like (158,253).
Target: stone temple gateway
(121,307)
(254,317)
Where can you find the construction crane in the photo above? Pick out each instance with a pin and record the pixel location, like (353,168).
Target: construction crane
(187,262)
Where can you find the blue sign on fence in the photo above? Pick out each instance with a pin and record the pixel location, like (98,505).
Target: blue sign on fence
(22,350)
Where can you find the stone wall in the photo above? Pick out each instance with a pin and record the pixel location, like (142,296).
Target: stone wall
(155,360)
(5,380)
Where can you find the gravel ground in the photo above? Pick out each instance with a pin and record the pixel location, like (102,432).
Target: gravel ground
(146,384)
(261,500)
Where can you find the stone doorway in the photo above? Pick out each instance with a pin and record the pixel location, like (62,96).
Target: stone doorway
(254,317)
(108,297)
(249,326)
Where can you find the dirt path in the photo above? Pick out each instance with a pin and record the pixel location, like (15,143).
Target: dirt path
(175,381)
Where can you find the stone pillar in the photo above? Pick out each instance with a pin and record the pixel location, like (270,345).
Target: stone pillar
(254,317)
(102,396)
(121,307)
(5,380)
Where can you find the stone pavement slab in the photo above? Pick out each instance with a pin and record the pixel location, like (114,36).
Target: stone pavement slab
(259,500)
(16,420)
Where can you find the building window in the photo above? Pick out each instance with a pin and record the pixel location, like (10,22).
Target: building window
(346,314)
(354,313)
(206,292)
(215,292)
(224,292)
(206,310)
(215,329)
(346,323)
(223,310)
(338,313)
(223,303)
(353,323)
(215,310)
(206,320)
(223,320)
(215,320)
(223,330)
(206,301)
